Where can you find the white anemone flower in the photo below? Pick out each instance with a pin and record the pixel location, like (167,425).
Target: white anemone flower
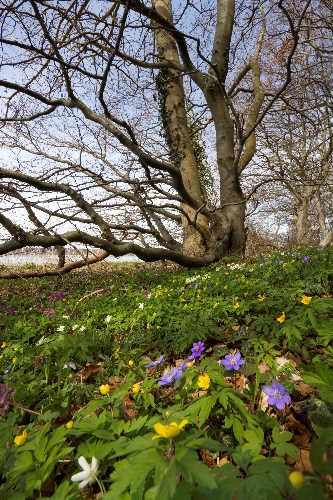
(108,319)
(89,473)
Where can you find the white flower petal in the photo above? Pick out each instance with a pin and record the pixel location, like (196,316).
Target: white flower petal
(84,484)
(84,464)
(94,465)
(80,476)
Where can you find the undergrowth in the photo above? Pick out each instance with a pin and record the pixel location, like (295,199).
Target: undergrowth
(75,381)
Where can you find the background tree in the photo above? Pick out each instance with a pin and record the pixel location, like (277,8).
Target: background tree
(101,106)
(296,141)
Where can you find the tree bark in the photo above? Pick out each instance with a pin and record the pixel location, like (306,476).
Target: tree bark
(175,122)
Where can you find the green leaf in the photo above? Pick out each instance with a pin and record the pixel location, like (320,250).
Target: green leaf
(287,449)
(318,448)
(194,471)
(281,437)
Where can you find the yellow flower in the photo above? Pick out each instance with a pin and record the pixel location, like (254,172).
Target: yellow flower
(215,305)
(236,306)
(293,261)
(1,356)
(204,381)
(157,327)
(168,431)
(284,264)
(236,298)
(261,297)
(246,294)
(281,318)
(21,438)
(306,300)
(14,359)
(118,349)
(3,345)
(131,362)
(69,424)
(190,364)
(104,389)
(116,356)
(297,479)
(135,388)
(70,375)
(225,287)
(185,306)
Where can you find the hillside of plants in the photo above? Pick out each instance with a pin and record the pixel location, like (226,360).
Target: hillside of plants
(150,381)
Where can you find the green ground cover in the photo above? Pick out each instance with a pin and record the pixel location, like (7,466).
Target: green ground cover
(238,396)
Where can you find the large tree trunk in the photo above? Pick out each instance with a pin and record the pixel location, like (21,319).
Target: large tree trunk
(229,229)
(178,134)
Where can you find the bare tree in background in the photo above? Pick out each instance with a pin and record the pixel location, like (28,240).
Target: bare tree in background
(104,109)
(295,157)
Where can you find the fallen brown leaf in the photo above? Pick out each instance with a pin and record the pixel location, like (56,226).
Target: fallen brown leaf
(304,463)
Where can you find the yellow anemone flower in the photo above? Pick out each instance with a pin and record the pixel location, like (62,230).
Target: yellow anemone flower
(261,297)
(236,306)
(104,389)
(281,318)
(306,300)
(3,345)
(168,431)
(297,479)
(204,381)
(135,388)
(69,424)
(21,438)
(131,362)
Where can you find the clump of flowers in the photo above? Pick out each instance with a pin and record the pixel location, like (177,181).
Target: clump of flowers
(277,395)
(232,362)
(88,474)
(204,381)
(168,431)
(159,361)
(197,349)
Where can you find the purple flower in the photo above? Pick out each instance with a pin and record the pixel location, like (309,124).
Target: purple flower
(171,377)
(184,366)
(307,258)
(281,262)
(320,249)
(197,349)
(6,396)
(156,363)
(56,296)
(50,312)
(277,395)
(232,362)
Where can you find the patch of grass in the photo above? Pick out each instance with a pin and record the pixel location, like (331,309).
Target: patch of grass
(64,338)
